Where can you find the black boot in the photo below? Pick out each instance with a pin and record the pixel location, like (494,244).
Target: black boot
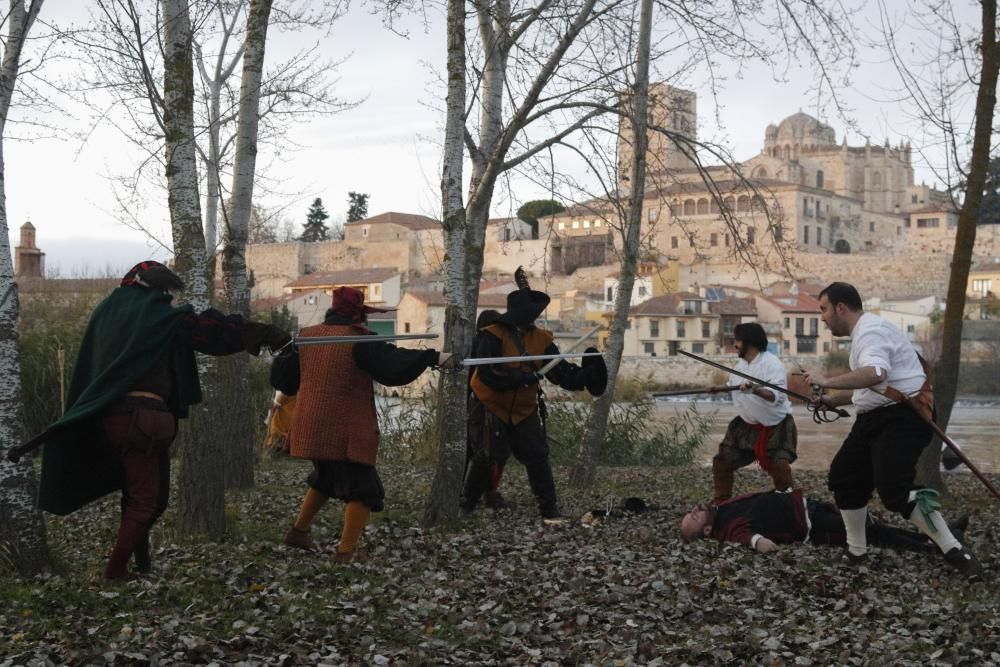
(143,557)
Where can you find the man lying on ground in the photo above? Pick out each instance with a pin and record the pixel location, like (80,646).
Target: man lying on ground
(762,521)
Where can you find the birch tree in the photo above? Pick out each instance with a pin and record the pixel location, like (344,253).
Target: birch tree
(239,464)
(22,529)
(951,64)
(515,88)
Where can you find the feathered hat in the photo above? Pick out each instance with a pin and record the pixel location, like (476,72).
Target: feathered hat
(524,304)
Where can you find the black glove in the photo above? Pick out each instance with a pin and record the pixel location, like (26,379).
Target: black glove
(257,335)
(528,378)
(597,373)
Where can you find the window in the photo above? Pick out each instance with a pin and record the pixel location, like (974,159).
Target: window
(654,328)
(913,199)
(673,241)
(787,322)
(751,234)
(311,300)
(727,239)
(800,326)
(643,291)
(681,329)
(817,209)
(597,223)
(691,241)
(576,224)
(713,239)
(611,294)
(779,232)
(826,347)
(805,235)
(672,347)
(702,207)
(562,225)
(806,211)
(819,179)
(376,291)
(819,236)
(982,286)
(691,307)
(652,214)
(906,222)
(805,346)
(649,349)
(406,327)
(911,328)
(506,233)
(364,230)
(876,181)
(927,222)
(871,226)
(899,231)
(743,204)
(586,224)
(786,345)
(706,329)
(689,207)
(698,348)
(813,326)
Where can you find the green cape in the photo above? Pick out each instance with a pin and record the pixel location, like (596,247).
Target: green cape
(128,332)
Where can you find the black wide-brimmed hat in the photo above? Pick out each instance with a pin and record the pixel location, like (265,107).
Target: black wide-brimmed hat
(525,305)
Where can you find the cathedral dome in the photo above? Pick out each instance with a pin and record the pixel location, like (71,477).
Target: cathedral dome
(801,127)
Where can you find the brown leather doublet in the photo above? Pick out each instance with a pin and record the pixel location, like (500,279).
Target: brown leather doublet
(513,405)
(335,412)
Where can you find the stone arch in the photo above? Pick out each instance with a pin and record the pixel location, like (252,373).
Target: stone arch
(842,247)
(702,206)
(689,207)
(760,172)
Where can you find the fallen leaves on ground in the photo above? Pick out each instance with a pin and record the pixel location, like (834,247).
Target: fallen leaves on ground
(501,588)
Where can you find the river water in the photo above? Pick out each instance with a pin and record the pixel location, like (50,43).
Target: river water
(975,427)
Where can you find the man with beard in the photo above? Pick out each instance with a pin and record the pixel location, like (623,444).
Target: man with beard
(764,430)
(885,443)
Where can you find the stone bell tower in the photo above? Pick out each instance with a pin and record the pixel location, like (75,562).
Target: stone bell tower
(29,261)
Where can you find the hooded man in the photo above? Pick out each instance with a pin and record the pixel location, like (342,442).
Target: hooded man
(764,430)
(509,393)
(335,424)
(135,376)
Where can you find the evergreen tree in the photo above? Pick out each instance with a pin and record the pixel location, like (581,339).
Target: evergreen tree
(531,211)
(357,206)
(989,209)
(314,229)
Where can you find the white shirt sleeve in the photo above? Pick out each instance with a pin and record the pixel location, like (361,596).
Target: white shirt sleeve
(874,350)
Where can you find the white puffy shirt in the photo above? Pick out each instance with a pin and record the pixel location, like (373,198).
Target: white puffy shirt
(876,343)
(754,409)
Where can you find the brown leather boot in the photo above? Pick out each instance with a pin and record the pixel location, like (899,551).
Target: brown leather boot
(723,476)
(781,473)
(300,539)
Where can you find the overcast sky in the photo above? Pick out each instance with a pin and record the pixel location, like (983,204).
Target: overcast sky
(387,147)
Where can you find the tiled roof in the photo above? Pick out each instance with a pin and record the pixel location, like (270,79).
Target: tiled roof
(794,303)
(668,304)
(437,299)
(375,274)
(408,220)
(989,265)
(733,305)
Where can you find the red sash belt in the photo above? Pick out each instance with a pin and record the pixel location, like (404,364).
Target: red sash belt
(760,445)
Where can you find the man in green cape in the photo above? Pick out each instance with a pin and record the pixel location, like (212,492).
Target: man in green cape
(134,377)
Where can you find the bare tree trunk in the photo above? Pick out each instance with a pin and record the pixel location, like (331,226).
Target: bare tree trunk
(946,380)
(22,529)
(585,468)
(442,503)
(240,457)
(201,491)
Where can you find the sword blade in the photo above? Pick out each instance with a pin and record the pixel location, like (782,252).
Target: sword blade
(486,361)
(552,364)
(692,392)
(343,340)
(763,383)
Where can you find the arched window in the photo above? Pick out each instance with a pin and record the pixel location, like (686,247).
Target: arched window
(757,203)
(689,207)
(713,205)
(842,247)
(788,152)
(743,204)
(751,236)
(819,179)
(876,181)
(760,172)
(702,207)
(730,204)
